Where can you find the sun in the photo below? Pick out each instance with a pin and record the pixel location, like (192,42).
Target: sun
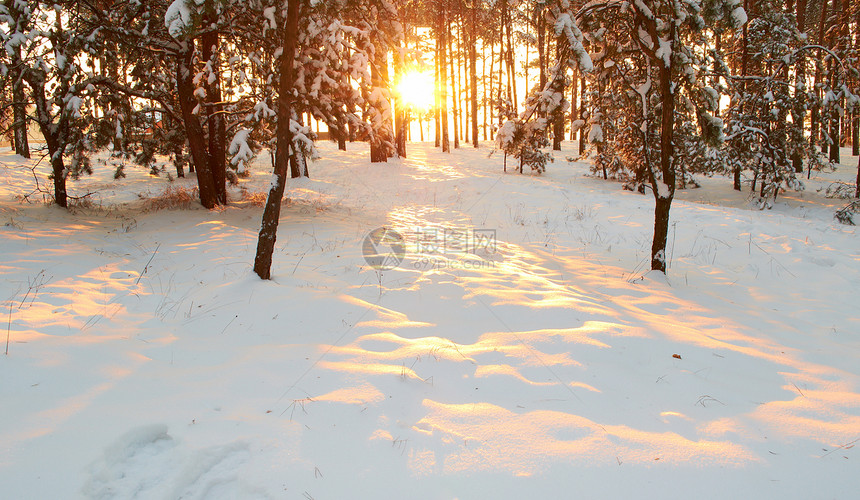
(416,89)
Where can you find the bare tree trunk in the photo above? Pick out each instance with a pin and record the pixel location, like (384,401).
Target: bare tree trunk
(815,115)
(437,93)
(53,134)
(857,181)
(664,193)
(558,86)
(839,21)
(382,140)
(16,75)
(574,108)
(799,111)
(541,44)
(193,129)
(401,119)
(443,72)
(19,117)
(512,73)
(736,169)
(473,72)
(284,138)
(461,70)
(582,111)
(488,97)
(855,135)
(855,138)
(455,87)
(215,122)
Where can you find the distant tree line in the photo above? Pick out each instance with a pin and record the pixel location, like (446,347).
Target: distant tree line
(654,91)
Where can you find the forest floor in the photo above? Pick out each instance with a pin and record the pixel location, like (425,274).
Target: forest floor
(520,349)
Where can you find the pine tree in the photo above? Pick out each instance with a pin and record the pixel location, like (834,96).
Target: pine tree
(54,43)
(271,214)
(650,54)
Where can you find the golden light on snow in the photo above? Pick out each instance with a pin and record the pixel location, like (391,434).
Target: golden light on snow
(483,436)
(416,89)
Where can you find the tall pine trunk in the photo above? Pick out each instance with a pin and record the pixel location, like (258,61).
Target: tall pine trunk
(663,194)
(19,117)
(215,123)
(815,114)
(284,138)
(799,111)
(455,88)
(382,140)
(574,110)
(193,128)
(558,86)
(582,111)
(473,72)
(16,76)
(54,134)
(441,56)
(401,117)
(736,169)
(437,96)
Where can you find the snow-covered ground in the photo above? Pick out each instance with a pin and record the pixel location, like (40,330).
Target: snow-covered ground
(520,350)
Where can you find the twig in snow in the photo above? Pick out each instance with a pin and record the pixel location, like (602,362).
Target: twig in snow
(299,262)
(228,324)
(845,446)
(798,389)
(707,399)
(9,328)
(143,271)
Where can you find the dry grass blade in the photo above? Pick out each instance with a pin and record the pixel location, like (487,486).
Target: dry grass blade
(171,199)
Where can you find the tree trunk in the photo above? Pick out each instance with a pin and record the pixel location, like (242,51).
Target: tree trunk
(19,117)
(437,93)
(284,138)
(815,115)
(839,21)
(855,135)
(382,140)
(558,86)
(53,134)
(488,96)
(16,75)
(663,194)
(455,87)
(799,112)
(736,169)
(582,111)
(341,134)
(574,109)
(298,163)
(512,78)
(401,120)
(193,129)
(473,73)
(541,44)
(441,56)
(857,181)
(215,123)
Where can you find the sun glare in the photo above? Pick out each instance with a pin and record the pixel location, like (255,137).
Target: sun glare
(416,89)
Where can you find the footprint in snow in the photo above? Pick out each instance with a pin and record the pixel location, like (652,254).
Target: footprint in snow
(147,462)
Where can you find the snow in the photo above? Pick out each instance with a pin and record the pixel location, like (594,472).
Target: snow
(178,18)
(595,133)
(147,361)
(664,52)
(239,148)
(739,16)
